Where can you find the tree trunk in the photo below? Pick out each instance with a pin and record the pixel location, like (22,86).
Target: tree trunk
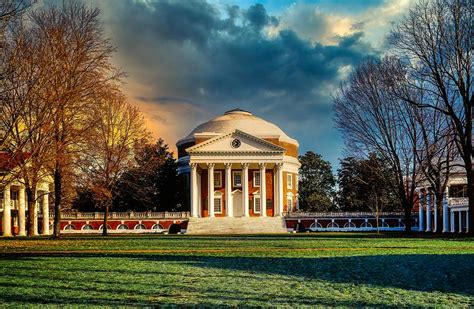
(57,201)
(439,209)
(31,194)
(106,216)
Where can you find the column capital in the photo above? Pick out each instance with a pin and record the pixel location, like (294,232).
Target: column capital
(228,165)
(262,165)
(245,165)
(193,165)
(279,165)
(210,165)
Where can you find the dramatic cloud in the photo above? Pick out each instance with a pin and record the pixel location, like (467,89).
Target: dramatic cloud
(188,61)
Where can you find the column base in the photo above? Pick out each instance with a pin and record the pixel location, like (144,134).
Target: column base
(22,234)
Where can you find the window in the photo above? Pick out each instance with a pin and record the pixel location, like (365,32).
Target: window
(87,227)
(139,227)
(458,191)
(122,227)
(289,181)
(69,227)
(218,205)
(157,227)
(289,201)
(102,227)
(256,204)
(237,178)
(217,179)
(256,179)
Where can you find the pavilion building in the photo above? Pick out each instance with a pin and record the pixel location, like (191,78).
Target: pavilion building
(239,165)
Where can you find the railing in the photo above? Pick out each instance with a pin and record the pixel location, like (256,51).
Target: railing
(458,201)
(359,214)
(123,215)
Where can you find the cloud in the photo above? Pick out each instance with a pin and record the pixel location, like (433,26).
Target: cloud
(188,61)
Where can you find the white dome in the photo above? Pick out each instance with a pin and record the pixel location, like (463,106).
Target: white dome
(242,120)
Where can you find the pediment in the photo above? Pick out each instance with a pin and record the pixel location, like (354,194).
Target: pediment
(236,142)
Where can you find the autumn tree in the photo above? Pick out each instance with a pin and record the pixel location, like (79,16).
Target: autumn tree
(117,127)
(76,55)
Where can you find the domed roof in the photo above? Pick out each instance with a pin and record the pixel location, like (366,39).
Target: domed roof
(238,119)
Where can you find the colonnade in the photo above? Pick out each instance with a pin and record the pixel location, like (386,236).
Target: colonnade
(428,215)
(244,168)
(9,205)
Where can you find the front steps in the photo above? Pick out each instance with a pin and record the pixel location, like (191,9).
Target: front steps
(242,225)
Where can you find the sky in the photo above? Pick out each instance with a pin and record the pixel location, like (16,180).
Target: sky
(189,61)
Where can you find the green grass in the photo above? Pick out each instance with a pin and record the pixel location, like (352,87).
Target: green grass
(336,269)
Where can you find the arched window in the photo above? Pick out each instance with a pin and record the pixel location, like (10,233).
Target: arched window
(332,225)
(384,224)
(122,227)
(139,227)
(157,227)
(102,227)
(366,225)
(315,225)
(87,227)
(349,224)
(69,227)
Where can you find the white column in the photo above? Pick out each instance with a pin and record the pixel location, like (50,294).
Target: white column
(452,221)
(35,220)
(194,191)
(421,201)
(445,214)
(279,191)
(7,219)
(21,212)
(263,190)
(45,210)
(467,221)
(460,221)
(210,186)
(245,188)
(435,210)
(428,212)
(228,190)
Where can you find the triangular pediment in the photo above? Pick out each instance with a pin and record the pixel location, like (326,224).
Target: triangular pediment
(236,142)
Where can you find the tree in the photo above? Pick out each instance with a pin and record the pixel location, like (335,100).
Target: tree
(316,184)
(117,127)
(366,185)
(153,184)
(76,56)
(24,117)
(435,41)
(373,120)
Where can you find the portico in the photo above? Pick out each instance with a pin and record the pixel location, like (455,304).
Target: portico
(15,207)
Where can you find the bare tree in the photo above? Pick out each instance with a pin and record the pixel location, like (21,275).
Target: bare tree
(435,40)
(77,58)
(109,152)
(372,120)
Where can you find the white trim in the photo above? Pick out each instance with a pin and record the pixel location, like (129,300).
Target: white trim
(233,179)
(219,178)
(254,177)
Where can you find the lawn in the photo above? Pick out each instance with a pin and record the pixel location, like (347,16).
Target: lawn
(331,269)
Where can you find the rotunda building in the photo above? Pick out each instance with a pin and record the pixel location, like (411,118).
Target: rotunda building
(239,165)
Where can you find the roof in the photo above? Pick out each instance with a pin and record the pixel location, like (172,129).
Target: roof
(242,120)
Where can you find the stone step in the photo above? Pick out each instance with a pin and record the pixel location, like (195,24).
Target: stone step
(242,225)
